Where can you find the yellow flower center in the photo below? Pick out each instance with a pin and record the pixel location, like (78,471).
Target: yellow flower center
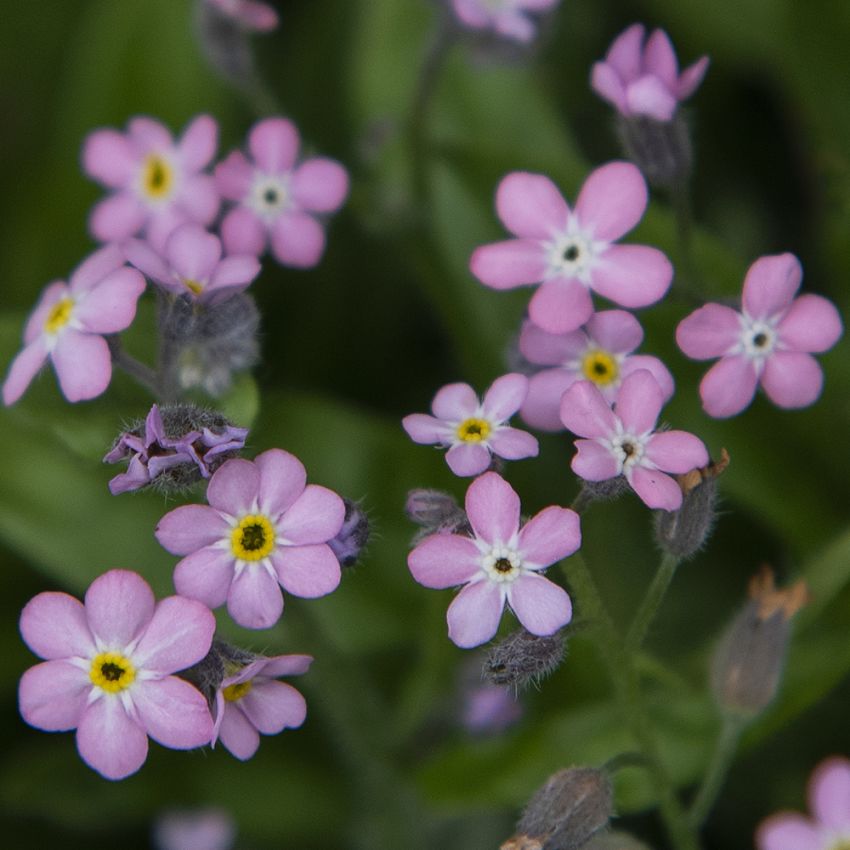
(59,315)
(843,844)
(233,693)
(193,286)
(600,367)
(253,538)
(157,177)
(473,430)
(112,672)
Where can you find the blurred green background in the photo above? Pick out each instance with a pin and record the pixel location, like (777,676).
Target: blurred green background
(391,314)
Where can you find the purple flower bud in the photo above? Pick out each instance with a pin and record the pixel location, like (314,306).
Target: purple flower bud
(436,511)
(352,537)
(523,659)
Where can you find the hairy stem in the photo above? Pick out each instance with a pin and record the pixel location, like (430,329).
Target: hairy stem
(651,603)
(142,374)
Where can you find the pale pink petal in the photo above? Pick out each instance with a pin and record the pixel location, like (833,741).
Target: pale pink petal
(237,733)
(728,386)
(632,275)
(109,741)
(83,364)
(117,217)
(492,507)
(162,223)
(639,402)
(199,199)
(542,407)
(425,430)
(307,571)
(594,462)
(255,600)
(297,240)
(659,58)
(625,52)
(585,412)
(612,200)
(829,794)
(243,232)
(710,331)
(615,331)
(95,268)
(547,349)
(173,713)
(549,536)
(539,604)
(788,831)
(606,82)
(149,262)
(234,487)
(234,176)
(274,145)
(649,96)
(530,205)
(655,489)
(282,480)
(148,134)
(691,77)
(770,285)
(676,451)
(24,368)
(52,293)
(54,625)
(315,517)
(444,560)
(236,271)
(273,706)
(52,696)
(206,575)
(474,614)
(109,158)
(286,665)
(179,635)
(467,459)
(811,324)
(560,305)
(119,606)
(514,25)
(193,252)
(198,143)
(504,265)
(258,16)
(455,402)
(792,379)
(471,13)
(505,397)
(319,185)
(513,444)
(191,527)
(111,306)
(652,365)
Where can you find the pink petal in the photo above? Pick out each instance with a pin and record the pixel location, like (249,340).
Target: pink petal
(615,331)
(632,275)
(192,252)
(594,462)
(606,82)
(179,635)
(530,205)
(625,53)
(148,261)
(315,517)
(585,412)
(52,696)
(492,507)
(560,305)
(649,96)
(243,232)
(255,600)
(83,364)
(471,13)
(236,271)
(612,200)
(728,386)
(234,176)
(660,59)
(273,706)
(234,487)
(297,240)
(24,368)
(455,403)
(54,292)
(191,527)
(474,614)
(119,606)
(504,265)
(513,444)
(514,25)
(505,397)
(788,831)
(259,17)
(198,143)
(162,223)
(307,571)
(95,268)
(425,430)
(205,575)
(111,306)
(770,285)
(549,536)
(652,365)
(282,480)
(655,489)
(676,451)
(173,713)
(109,158)
(148,134)
(539,604)
(109,741)
(274,145)
(237,733)
(468,459)
(710,331)
(547,349)
(691,77)
(199,200)
(320,185)
(829,794)
(117,217)
(444,560)
(286,665)
(792,379)
(639,402)
(54,625)
(811,324)
(542,407)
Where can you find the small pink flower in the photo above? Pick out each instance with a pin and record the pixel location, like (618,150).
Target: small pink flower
(253,701)
(249,14)
(768,342)
(109,667)
(191,264)
(501,564)
(600,352)
(475,430)
(265,527)
(279,200)
(508,18)
(643,79)
(570,252)
(67,324)
(156,182)
(195,829)
(829,803)
(623,441)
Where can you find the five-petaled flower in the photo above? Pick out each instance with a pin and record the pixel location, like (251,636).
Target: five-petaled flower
(264,527)
(569,252)
(472,429)
(108,670)
(623,441)
(769,342)
(507,18)
(500,564)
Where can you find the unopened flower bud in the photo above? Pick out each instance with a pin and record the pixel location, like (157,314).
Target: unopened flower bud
(573,805)
(523,659)
(352,537)
(684,532)
(747,665)
(221,661)
(436,511)
(600,491)
(174,447)
(660,149)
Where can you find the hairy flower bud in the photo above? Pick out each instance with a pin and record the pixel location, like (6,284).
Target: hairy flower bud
(660,149)
(573,805)
(747,665)
(221,661)
(684,532)
(436,511)
(352,537)
(523,659)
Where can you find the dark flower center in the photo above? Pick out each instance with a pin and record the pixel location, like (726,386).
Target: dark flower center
(503,565)
(629,449)
(571,253)
(111,672)
(760,340)
(253,537)
(270,196)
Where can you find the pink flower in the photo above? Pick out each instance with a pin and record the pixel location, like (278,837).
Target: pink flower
(265,527)
(508,18)
(156,183)
(475,430)
(195,829)
(67,326)
(108,671)
(767,343)
(501,564)
(623,441)
(829,803)
(192,265)
(643,79)
(278,201)
(252,701)
(249,14)
(572,252)
(600,352)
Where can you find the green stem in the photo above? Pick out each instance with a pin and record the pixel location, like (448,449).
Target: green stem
(651,602)
(137,370)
